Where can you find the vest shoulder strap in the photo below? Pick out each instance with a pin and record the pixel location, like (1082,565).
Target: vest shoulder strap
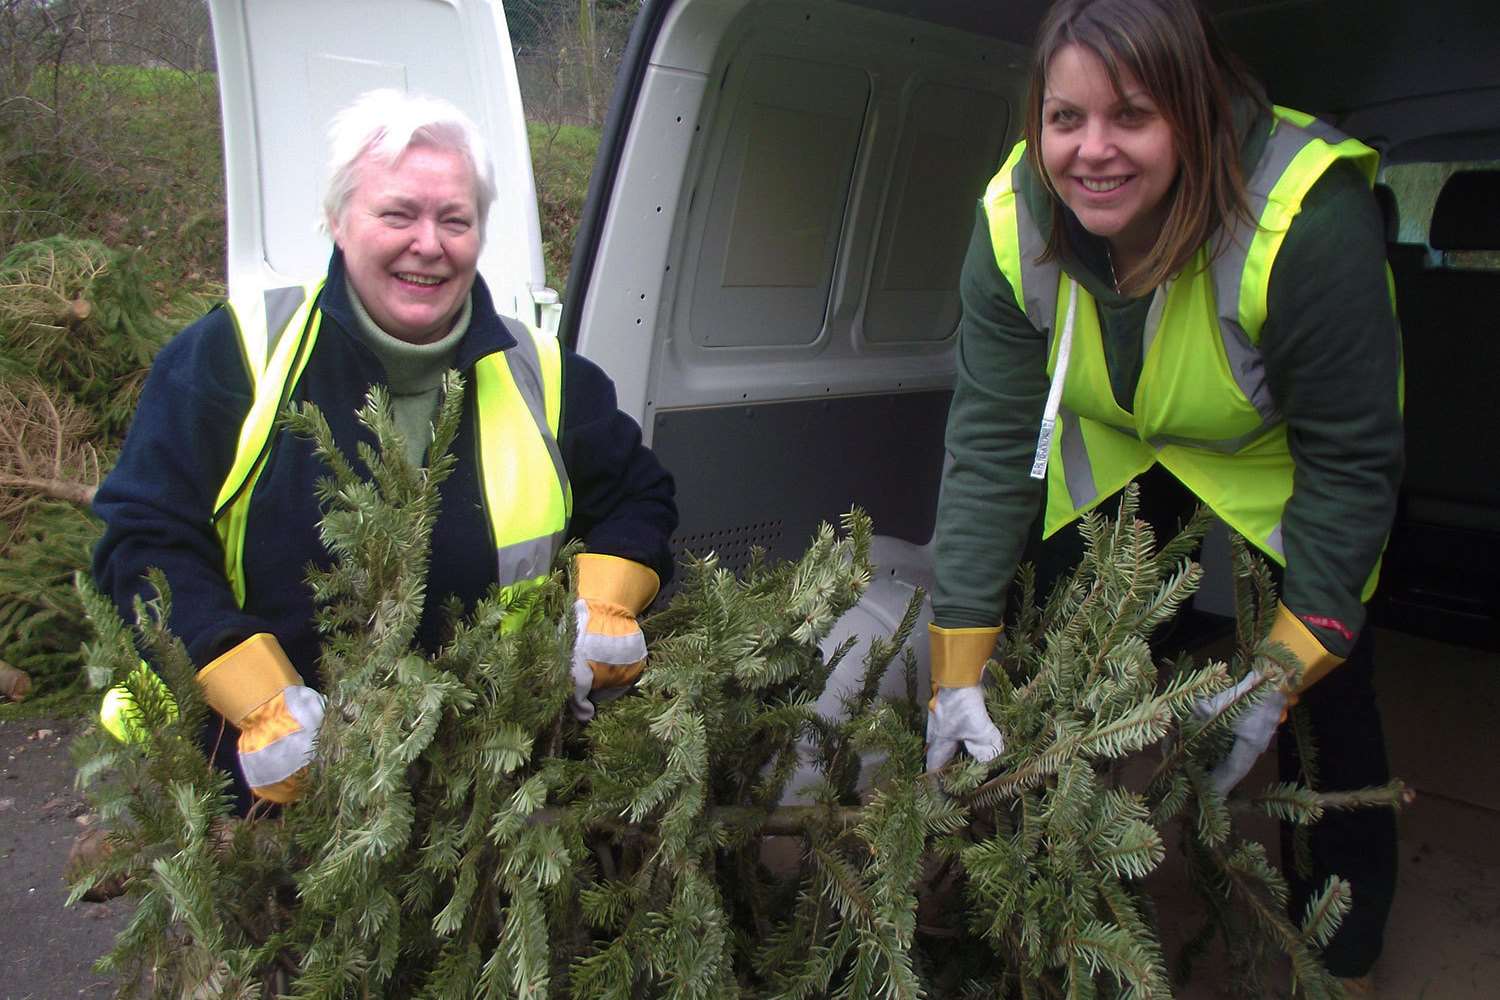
(534,368)
(536,365)
(518,403)
(260,319)
(274,362)
(277,329)
(1016,237)
(1299,150)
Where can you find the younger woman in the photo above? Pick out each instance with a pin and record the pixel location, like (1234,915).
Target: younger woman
(1199,280)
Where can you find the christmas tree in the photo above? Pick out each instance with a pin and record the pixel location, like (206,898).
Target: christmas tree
(79,323)
(461,836)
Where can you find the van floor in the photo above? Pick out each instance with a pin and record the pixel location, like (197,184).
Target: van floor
(1440,704)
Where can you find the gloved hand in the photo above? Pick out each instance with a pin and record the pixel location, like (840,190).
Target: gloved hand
(1253,728)
(1256,725)
(256,688)
(957,713)
(610,651)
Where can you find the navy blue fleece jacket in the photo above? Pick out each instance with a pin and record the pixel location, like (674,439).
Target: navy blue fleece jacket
(157,501)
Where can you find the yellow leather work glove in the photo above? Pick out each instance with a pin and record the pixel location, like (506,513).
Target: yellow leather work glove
(1256,725)
(957,713)
(257,689)
(1291,632)
(610,652)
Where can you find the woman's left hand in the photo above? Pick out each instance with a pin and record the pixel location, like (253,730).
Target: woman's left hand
(1254,728)
(958,715)
(609,655)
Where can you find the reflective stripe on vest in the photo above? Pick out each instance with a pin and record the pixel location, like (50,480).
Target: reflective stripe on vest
(518,407)
(516,389)
(1202,407)
(275,362)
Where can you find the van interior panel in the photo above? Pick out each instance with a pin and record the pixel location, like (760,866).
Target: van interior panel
(775,203)
(816,458)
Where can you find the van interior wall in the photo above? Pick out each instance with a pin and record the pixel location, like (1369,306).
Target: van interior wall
(806,305)
(1440,576)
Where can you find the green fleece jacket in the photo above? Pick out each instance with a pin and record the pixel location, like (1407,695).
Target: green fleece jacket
(1332,356)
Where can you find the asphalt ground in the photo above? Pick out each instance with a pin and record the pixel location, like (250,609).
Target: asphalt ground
(49,948)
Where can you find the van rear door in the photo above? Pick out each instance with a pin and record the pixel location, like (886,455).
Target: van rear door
(285,67)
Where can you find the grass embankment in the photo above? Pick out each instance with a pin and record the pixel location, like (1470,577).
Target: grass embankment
(133,157)
(113,230)
(127,156)
(562,157)
(112,216)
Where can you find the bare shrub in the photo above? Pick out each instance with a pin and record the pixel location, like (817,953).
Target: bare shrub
(109,127)
(567,55)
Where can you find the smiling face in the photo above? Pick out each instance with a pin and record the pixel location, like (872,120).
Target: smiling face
(1109,155)
(410,236)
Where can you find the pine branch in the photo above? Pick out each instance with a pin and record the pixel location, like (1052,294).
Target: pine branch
(1263,893)
(1391,795)
(1123,911)
(1292,803)
(1187,540)
(462,836)
(1326,911)
(1109,948)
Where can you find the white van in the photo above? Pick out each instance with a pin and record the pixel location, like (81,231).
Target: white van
(769,258)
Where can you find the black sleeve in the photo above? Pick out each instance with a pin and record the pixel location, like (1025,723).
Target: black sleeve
(623,499)
(157,501)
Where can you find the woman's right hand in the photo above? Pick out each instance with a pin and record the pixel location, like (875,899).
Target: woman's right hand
(258,691)
(957,712)
(958,715)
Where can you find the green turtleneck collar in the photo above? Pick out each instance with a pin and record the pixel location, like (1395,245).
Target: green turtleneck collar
(410,368)
(413,372)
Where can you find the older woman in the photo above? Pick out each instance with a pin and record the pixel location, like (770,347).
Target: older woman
(209,491)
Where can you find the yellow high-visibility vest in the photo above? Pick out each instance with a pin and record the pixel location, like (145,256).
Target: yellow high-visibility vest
(1203,405)
(518,402)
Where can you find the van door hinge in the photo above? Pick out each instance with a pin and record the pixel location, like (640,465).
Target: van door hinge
(548,306)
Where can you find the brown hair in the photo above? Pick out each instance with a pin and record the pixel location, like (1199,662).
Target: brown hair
(1175,53)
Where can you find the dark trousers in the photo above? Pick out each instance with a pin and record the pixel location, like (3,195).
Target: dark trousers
(1358,845)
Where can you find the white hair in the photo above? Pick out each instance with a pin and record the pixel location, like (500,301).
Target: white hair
(384,124)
